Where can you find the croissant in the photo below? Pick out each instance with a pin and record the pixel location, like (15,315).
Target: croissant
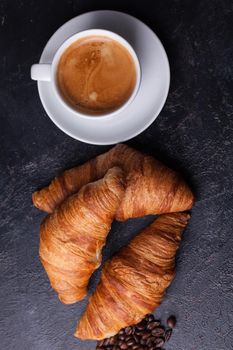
(134,281)
(71,238)
(152,188)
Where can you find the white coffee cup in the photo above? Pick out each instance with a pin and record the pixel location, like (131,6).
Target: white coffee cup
(47,72)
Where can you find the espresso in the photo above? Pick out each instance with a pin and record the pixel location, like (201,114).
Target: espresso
(96,75)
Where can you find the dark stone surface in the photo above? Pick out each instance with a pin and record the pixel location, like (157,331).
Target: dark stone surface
(194,133)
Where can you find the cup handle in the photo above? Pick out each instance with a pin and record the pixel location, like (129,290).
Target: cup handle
(41,72)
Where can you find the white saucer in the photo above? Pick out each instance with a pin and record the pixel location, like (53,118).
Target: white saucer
(150,98)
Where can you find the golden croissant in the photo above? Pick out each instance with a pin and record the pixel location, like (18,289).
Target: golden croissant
(134,281)
(152,188)
(71,238)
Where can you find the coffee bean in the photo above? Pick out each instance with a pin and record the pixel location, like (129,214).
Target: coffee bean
(130,342)
(159,342)
(168,334)
(121,336)
(150,318)
(171,321)
(124,346)
(128,330)
(143,342)
(122,331)
(100,342)
(142,325)
(139,332)
(106,342)
(158,332)
(146,335)
(128,338)
(150,340)
(133,329)
(153,325)
(113,340)
(135,347)
(136,338)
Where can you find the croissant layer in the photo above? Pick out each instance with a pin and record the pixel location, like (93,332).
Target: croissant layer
(134,281)
(152,188)
(71,238)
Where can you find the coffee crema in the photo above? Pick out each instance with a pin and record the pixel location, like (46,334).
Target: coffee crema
(96,75)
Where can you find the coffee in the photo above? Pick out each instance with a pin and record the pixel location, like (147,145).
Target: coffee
(147,334)
(96,75)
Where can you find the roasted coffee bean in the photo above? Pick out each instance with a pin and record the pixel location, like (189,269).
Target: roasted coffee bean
(113,340)
(136,338)
(158,332)
(153,325)
(135,347)
(143,342)
(124,346)
(150,340)
(128,330)
(128,337)
(150,318)
(142,325)
(121,336)
(146,335)
(168,334)
(106,342)
(130,342)
(100,343)
(122,331)
(138,332)
(171,321)
(159,342)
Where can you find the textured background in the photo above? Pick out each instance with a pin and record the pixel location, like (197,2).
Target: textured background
(194,133)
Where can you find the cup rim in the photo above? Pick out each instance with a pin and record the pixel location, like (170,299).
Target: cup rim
(83,34)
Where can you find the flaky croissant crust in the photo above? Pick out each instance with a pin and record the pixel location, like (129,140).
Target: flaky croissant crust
(134,281)
(152,188)
(72,237)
